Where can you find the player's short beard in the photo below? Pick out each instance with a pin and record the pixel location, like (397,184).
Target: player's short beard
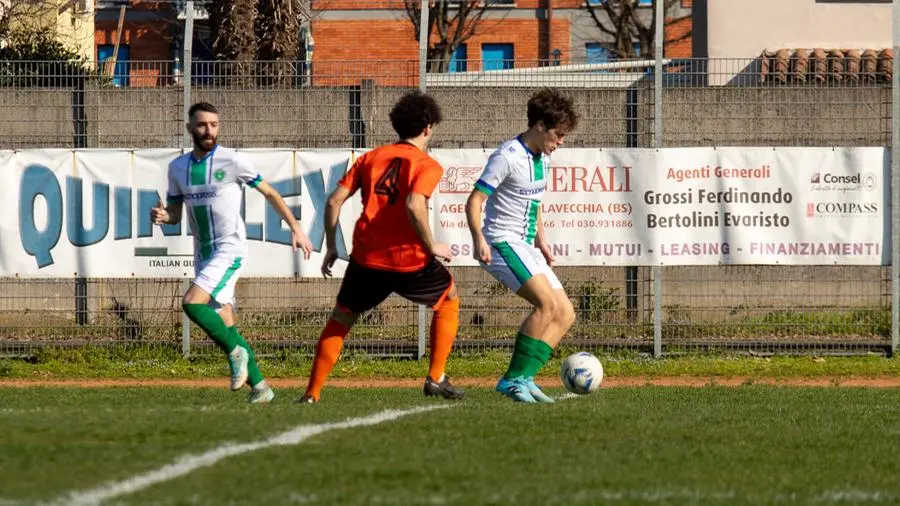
(198,140)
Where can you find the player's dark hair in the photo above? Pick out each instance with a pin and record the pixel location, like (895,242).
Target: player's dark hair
(202,106)
(552,108)
(413,112)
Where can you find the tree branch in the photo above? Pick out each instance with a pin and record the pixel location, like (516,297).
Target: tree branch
(597,21)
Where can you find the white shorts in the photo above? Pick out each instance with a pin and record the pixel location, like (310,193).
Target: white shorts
(218,277)
(515,262)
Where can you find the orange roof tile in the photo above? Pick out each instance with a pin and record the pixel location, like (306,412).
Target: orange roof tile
(789,65)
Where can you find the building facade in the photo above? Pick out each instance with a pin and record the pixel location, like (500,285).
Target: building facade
(71,22)
(513,33)
(746,40)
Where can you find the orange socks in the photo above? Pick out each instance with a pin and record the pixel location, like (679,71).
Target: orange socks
(327,352)
(444,325)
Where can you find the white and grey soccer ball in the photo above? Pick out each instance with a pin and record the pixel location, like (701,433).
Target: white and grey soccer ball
(581,373)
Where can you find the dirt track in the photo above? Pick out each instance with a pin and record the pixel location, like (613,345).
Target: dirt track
(680,381)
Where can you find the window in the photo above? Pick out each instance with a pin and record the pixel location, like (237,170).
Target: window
(84,6)
(123,66)
(458,60)
(604,52)
(497,56)
(597,53)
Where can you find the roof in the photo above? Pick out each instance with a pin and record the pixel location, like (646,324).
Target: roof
(818,65)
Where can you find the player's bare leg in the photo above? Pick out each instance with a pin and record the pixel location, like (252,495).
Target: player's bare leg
(563,318)
(328,350)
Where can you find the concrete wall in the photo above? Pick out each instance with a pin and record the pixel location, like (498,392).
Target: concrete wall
(777,116)
(321,117)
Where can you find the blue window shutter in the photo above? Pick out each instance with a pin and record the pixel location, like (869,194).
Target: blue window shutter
(596,52)
(458,60)
(123,65)
(497,56)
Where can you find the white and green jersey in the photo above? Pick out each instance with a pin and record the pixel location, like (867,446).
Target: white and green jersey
(514,180)
(212,192)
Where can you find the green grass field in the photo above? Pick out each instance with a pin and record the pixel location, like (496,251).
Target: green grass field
(163,363)
(650,445)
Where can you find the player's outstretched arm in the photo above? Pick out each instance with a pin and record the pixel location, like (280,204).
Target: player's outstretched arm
(417,209)
(481,250)
(299,241)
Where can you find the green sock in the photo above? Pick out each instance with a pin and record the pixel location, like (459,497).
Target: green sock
(526,348)
(207,319)
(542,354)
(253,374)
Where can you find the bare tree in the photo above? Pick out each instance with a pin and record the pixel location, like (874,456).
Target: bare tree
(623,20)
(454,22)
(277,36)
(278,29)
(233,28)
(245,31)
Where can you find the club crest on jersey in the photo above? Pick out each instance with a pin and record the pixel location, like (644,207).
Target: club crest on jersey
(219,175)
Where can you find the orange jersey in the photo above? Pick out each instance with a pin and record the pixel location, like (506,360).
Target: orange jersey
(384,237)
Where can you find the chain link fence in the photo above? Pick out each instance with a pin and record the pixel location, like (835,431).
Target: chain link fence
(733,102)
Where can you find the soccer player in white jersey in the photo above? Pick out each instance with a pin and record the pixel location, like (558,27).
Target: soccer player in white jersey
(209,181)
(512,246)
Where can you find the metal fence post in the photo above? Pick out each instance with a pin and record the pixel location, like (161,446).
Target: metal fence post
(632,288)
(657,136)
(895,182)
(185,325)
(79,117)
(423,71)
(423,44)
(186,73)
(186,64)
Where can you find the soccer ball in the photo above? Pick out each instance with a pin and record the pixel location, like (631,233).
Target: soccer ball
(581,373)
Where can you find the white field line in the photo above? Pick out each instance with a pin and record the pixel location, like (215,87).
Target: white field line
(189,463)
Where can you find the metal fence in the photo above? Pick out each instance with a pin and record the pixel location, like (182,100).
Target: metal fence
(694,102)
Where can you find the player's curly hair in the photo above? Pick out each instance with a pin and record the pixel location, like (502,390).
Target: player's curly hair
(413,112)
(552,108)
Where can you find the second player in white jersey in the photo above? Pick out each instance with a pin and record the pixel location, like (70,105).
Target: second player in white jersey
(514,180)
(510,243)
